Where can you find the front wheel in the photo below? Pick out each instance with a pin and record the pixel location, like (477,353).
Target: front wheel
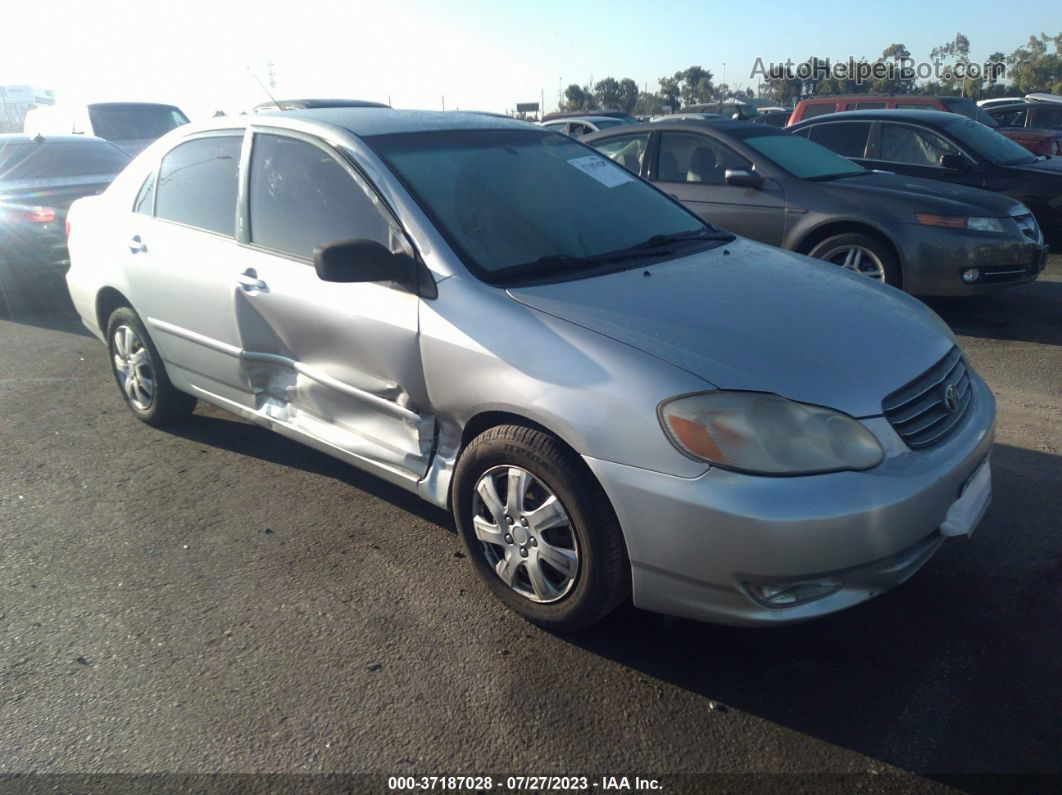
(539,529)
(861,254)
(140,374)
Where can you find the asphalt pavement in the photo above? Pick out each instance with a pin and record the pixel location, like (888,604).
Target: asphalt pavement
(216,598)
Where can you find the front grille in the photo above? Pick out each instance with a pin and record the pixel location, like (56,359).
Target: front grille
(920,413)
(1027,224)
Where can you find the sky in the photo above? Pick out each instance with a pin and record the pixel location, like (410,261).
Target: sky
(468,54)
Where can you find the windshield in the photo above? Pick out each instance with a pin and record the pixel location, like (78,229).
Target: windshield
(50,160)
(803,158)
(529,201)
(134,121)
(989,144)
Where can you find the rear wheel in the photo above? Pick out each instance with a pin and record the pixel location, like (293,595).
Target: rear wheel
(539,529)
(140,374)
(861,254)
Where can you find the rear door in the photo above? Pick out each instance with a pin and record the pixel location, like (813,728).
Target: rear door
(691,167)
(339,363)
(181,263)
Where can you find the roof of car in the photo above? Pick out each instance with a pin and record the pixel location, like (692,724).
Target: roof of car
(935,117)
(587,117)
(366,121)
(871,97)
(1020,103)
(316,102)
(693,125)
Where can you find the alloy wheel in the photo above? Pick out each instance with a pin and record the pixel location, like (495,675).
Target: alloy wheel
(856,258)
(526,535)
(132,365)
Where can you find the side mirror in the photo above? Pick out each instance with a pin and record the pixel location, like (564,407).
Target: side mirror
(743,178)
(954,162)
(368,261)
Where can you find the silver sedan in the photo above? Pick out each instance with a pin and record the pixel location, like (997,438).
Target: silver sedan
(615,399)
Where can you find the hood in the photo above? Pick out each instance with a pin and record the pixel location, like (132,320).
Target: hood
(752,317)
(1052,166)
(922,194)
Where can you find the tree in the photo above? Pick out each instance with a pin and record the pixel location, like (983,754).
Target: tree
(577,98)
(628,94)
(648,104)
(695,85)
(1033,68)
(218,113)
(607,93)
(893,56)
(958,51)
(669,92)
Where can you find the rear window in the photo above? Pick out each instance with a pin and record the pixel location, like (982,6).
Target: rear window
(51,160)
(129,122)
(964,107)
(197,183)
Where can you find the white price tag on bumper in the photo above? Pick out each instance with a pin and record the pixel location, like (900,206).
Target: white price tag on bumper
(604,171)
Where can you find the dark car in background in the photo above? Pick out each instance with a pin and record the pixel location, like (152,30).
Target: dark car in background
(949,148)
(39,179)
(130,125)
(774,118)
(1039,115)
(770,185)
(1037,141)
(727,108)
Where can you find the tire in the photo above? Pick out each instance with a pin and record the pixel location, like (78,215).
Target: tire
(566,595)
(140,374)
(873,257)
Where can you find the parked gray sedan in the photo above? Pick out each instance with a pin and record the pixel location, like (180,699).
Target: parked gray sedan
(924,236)
(613,397)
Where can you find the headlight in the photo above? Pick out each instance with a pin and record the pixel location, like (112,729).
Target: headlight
(767,434)
(961,222)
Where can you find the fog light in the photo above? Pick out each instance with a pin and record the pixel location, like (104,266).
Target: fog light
(971,275)
(788,594)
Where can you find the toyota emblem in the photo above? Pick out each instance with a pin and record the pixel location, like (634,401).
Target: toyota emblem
(951,398)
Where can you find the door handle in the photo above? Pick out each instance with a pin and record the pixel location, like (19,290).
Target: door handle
(249,282)
(136,245)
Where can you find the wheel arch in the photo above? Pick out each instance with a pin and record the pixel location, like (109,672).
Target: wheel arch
(107,300)
(814,236)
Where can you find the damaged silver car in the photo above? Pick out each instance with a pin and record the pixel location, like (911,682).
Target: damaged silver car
(613,397)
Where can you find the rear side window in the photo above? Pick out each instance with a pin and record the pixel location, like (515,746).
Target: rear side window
(197,183)
(847,138)
(686,157)
(915,106)
(301,198)
(818,109)
(865,106)
(52,159)
(1051,118)
(627,150)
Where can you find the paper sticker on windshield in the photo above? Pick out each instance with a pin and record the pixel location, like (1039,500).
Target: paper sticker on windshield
(604,171)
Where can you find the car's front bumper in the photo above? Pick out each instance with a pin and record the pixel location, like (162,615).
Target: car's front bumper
(694,543)
(934,260)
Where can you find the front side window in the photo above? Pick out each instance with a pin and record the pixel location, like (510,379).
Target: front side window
(989,144)
(197,183)
(301,198)
(1010,118)
(848,138)
(901,143)
(688,157)
(627,150)
(515,203)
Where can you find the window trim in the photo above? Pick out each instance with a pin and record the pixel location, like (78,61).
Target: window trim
(226,133)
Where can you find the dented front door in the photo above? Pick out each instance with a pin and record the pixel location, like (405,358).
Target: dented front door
(339,363)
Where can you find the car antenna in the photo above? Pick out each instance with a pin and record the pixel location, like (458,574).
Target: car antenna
(271,97)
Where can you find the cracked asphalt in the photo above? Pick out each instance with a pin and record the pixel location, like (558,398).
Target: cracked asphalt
(215,598)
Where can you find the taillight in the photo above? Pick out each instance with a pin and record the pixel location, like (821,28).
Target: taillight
(41,215)
(68,227)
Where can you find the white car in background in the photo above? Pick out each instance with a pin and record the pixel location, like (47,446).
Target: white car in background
(130,125)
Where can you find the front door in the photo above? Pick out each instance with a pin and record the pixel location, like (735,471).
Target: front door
(691,167)
(915,151)
(336,362)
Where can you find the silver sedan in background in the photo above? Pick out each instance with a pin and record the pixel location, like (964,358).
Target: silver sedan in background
(613,397)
